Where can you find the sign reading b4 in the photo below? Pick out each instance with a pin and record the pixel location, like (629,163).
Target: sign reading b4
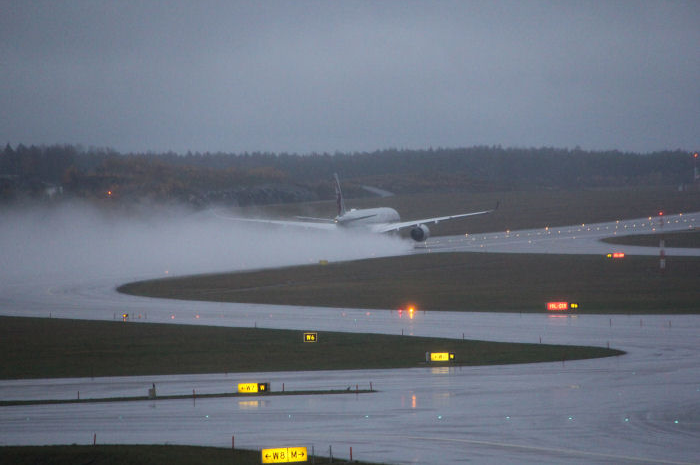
(310,337)
(284,455)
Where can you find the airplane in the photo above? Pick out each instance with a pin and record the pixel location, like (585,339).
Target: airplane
(377,220)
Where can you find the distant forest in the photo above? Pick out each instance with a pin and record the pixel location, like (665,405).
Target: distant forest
(66,171)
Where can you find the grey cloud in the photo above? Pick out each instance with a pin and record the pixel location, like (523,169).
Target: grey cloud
(321,76)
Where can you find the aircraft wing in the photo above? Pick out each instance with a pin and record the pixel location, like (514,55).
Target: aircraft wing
(409,224)
(297,224)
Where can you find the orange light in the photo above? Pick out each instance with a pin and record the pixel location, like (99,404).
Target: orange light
(616,255)
(695,155)
(557,306)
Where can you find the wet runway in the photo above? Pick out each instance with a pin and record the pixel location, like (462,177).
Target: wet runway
(576,239)
(643,407)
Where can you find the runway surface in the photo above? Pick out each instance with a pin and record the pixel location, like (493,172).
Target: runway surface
(576,239)
(643,407)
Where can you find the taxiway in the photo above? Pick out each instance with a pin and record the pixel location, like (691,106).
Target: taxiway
(643,407)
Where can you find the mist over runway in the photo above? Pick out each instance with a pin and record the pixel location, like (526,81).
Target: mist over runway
(643,407)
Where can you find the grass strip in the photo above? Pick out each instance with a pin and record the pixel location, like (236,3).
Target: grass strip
(689,239)
(10,403)
(136,455)
(457,282)
(57,348)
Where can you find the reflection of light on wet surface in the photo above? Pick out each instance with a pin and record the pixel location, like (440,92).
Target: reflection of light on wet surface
(642,406)
(249,404)
(531,403)
(440,370)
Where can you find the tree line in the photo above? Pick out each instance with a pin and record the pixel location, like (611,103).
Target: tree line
(260,177)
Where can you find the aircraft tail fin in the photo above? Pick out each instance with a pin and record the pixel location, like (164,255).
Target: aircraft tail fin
(339,196)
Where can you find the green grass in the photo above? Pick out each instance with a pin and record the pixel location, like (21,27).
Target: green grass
(47,348)
(271,393)
(457,282)
(134,455)
(679,239)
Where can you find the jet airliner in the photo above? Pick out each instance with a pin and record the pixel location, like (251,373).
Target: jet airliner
(378,220)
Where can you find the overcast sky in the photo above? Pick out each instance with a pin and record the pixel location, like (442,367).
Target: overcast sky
(302,76)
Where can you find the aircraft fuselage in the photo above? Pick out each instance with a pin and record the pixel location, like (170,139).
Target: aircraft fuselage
(368,216)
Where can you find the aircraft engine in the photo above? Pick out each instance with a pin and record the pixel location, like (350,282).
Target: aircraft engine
(420,233)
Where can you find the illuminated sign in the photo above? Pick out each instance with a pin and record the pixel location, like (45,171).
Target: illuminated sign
(441,356)
(252,388)
(310,337)
(284,455)
(561,306)
(616,255)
